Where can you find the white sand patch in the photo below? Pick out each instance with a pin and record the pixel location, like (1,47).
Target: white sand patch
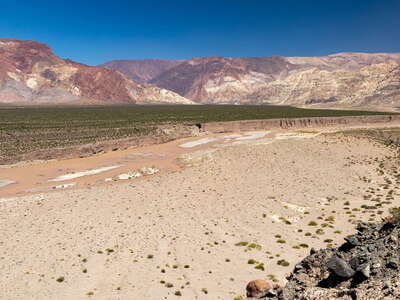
(143,155)
(276,218)
(83,173)
(2,200)
(263,141)
(295,135)
(324,202)
(5,182)
(300,209)
(149,170)
(49,188)
(281,219)
(135,174)
(197,142)
(64,186)
(231,136)
(127,176)
(288,135)
(253,135)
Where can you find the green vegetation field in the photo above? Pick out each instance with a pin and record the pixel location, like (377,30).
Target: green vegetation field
(27,129)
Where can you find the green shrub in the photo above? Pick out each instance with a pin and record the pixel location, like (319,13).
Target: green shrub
(283,263)
(395,213)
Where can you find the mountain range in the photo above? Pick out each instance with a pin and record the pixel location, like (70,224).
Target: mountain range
(31,72)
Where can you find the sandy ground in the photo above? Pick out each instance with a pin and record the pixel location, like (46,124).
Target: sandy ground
(201,232)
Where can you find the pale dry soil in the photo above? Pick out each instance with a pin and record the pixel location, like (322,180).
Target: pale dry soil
(176,235)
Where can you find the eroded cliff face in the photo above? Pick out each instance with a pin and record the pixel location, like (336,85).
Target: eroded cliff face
(377,84)
(29,71)
(298,123)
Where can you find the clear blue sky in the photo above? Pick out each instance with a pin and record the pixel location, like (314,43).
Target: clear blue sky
(93,32)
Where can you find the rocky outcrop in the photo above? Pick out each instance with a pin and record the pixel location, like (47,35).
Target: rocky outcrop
(338,80)
(345,60)
(31,72)
(365,267)
(377,84)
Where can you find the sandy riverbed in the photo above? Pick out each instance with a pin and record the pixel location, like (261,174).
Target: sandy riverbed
(189,231)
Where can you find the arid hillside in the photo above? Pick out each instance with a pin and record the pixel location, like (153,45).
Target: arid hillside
(31,72)
(338,80)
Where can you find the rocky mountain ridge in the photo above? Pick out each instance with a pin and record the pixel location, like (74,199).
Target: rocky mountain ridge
(31,72)
(343,79)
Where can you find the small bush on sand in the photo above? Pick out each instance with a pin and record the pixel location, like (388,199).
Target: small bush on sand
(395,212)
(283,263)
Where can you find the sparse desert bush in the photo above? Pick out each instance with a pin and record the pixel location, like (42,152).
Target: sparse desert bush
(254,246)
(241,244)
(395,214)
(272,277)
(283,263)
(260,266)
(53,127)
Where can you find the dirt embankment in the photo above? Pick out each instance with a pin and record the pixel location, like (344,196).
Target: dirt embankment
(172,132)
(298,123)
(164,134)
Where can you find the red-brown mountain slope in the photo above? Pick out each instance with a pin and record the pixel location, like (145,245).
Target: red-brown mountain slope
(30,71)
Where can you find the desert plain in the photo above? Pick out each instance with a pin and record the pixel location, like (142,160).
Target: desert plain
(195,218)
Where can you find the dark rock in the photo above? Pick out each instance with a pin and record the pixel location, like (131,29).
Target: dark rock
(361,226)
(352,240)
(393,262)
(340,267)
(365,270)
(355,262)
(369,270)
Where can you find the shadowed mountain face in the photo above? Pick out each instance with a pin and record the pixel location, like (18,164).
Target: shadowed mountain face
(343,79)
(29,71)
